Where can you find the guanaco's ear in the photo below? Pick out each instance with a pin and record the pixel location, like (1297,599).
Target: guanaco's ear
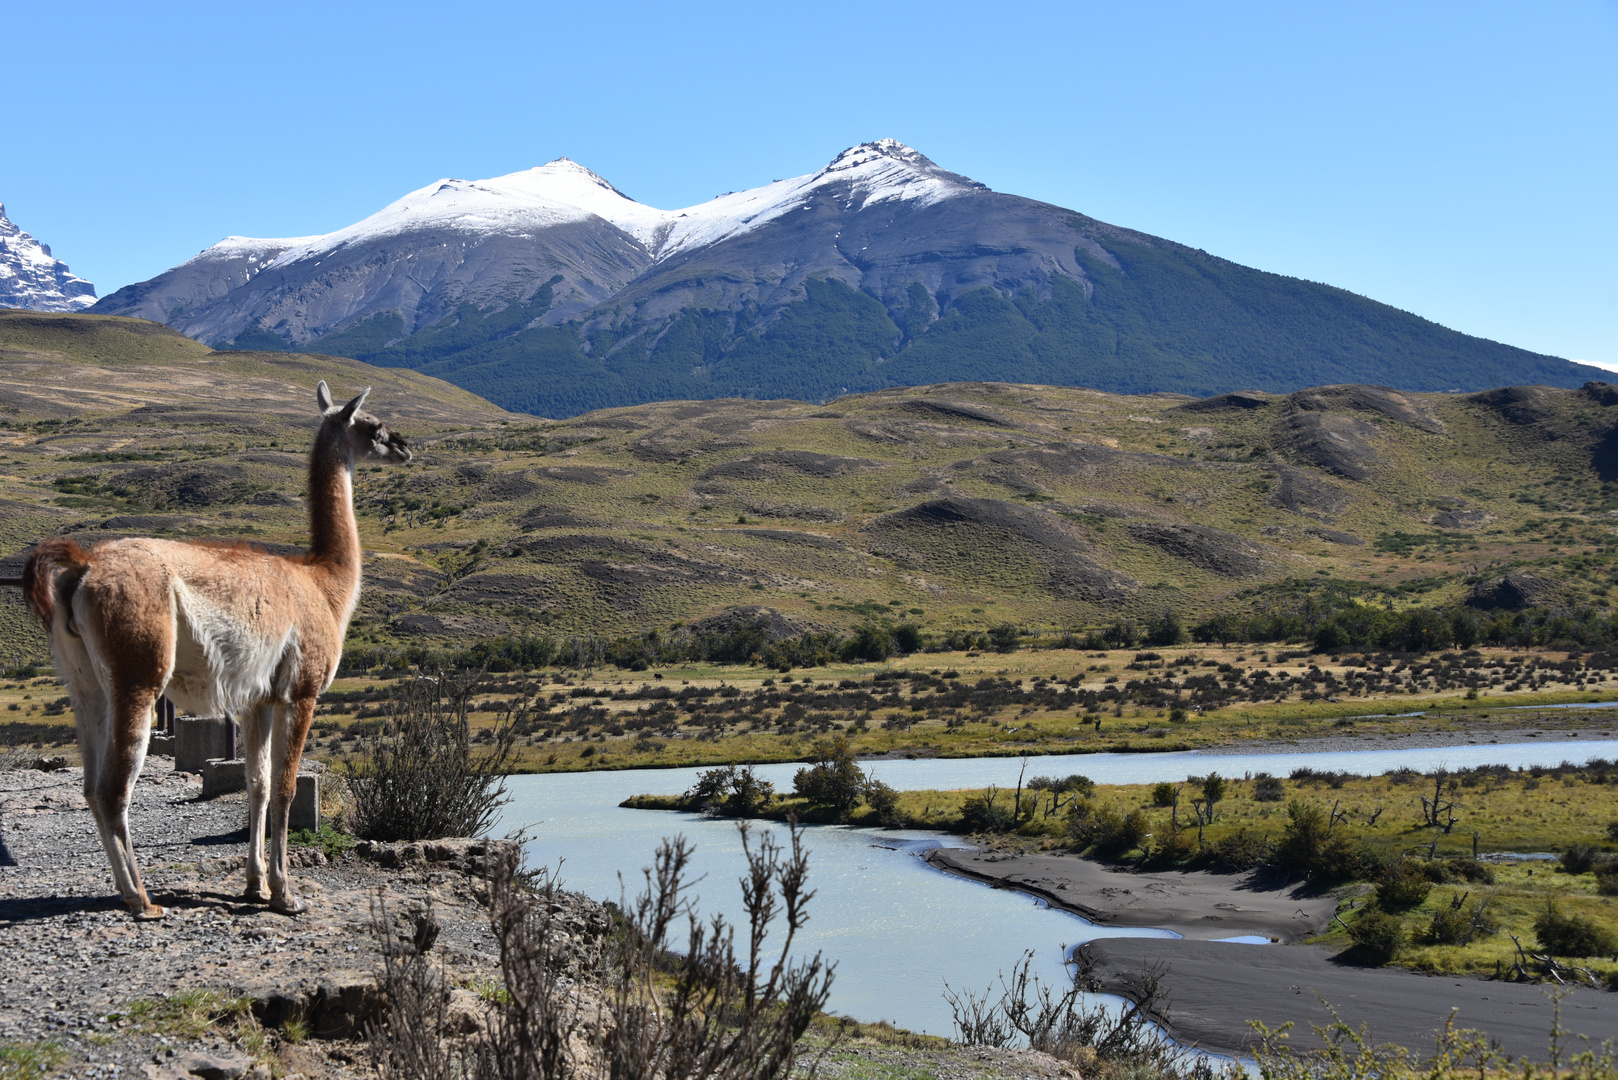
(347,415)
(323,396)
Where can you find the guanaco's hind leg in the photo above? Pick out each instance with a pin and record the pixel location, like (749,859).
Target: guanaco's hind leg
(257,723)
(113,786)
(113,713)
(286,750)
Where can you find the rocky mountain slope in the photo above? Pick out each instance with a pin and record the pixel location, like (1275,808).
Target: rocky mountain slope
(954,506)
(32,278)
(552,292)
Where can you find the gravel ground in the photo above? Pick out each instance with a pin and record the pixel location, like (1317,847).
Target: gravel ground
(74,960)
(75,966)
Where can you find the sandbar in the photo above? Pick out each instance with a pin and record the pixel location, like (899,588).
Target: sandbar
(1215,988)
(1194,904)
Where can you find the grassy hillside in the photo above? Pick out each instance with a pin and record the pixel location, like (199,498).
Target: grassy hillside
(951,508)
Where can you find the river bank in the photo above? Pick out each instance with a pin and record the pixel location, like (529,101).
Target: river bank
(1215,988)
(1195,904)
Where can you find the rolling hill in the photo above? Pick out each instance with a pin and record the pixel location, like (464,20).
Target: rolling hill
(953,506)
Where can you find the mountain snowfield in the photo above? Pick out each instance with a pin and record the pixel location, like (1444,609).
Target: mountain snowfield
(33,279)
(522,204)
(551,291)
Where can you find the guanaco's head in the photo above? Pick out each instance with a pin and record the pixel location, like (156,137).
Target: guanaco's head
(361,436)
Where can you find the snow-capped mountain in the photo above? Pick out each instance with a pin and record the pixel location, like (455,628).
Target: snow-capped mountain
(549,290)
(32,278)
(495,241)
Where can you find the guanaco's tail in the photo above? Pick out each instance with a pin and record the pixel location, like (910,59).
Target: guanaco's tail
(51,575)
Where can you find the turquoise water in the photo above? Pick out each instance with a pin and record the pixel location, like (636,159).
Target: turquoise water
(897,928)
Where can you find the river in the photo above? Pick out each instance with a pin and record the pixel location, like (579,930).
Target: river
(898,929)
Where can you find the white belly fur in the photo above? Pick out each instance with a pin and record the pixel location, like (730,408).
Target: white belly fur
(222,667)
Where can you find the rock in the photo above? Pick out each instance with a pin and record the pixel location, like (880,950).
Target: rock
(49,764)
(1332,441)
(1512,592)
(223,1066)
(1306,494)
(1602,393)
(1243,400)
(1332,536)
(1521,405)
(1212,549)
(1462,519)
(1376,399)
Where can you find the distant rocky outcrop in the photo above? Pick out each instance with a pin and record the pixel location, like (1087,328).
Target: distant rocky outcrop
(35,280)
(1513,592)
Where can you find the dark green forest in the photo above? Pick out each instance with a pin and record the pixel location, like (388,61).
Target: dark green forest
(1163,319)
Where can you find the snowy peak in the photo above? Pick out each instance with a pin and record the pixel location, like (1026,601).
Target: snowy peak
(560,192)
(33,279)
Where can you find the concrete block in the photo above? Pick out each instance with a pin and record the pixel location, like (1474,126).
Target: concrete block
(199,738)
(160,745)
(223,775)
(306,803)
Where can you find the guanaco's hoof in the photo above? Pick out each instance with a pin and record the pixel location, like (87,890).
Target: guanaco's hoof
(291,905)
(257,894)
(148,912)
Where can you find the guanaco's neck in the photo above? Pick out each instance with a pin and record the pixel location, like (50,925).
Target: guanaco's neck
(334,537)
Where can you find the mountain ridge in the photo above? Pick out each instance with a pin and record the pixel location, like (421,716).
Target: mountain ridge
(550,291)
(33,279)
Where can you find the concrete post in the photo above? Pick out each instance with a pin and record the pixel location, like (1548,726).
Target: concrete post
(199,738)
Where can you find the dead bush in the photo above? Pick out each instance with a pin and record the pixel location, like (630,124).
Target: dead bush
(647,1012)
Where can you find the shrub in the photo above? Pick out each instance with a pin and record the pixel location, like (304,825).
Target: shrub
(1240,850)
(1267,788)
(1404,886)
(1607,880)
(833,778)
(869,642)
(1573,935)
(1479,873)
(735,791)
(1003,637)
(883,801)
(1311,849)
(1579,858)
(1378,937)
(980,814)
(1460,924)
(1111,832)
(1058,1020)
(418,778)
(691,1008)
(1177,716)
(1165,794)
(1080,785)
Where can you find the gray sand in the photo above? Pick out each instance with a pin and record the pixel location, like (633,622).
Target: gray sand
(1216,988)
(1194,904)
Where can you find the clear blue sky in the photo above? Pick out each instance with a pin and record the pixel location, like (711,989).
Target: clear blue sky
(1458,160)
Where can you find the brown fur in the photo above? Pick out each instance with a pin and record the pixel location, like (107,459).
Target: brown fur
(216,626)
(40,575)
